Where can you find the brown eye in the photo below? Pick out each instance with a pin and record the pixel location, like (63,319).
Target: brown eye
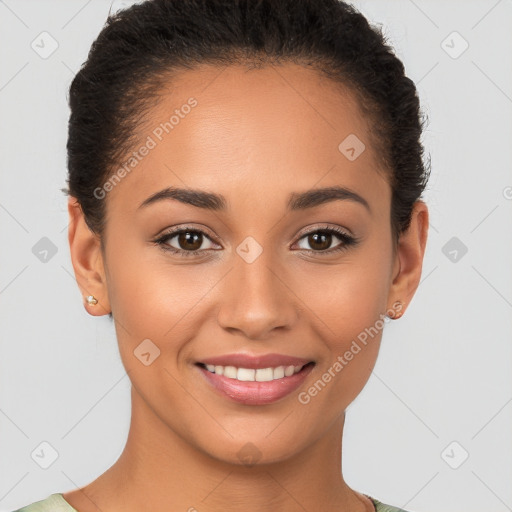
(186,242)
(321,240)
(189,240)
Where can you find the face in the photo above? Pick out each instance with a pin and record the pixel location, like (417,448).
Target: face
(263,272)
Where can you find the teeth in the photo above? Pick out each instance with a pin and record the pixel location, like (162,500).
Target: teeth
(229,371)
(279,372)
(264,374)
(252,375)
(245,374)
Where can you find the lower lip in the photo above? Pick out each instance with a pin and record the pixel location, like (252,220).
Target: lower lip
(256,393)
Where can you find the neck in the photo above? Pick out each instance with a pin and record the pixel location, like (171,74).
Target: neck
(159,470)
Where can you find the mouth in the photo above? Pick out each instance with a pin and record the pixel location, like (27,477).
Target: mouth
(255,382)
(254,374)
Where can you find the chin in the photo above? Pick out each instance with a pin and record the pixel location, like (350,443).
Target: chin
(253,450)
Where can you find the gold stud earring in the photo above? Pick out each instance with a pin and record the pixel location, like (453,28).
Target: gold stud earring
(397,314)
(91,300)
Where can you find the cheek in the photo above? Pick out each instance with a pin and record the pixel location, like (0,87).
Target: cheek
(156,308)
(152,298)
(350,330)
(349,302)
(350,297)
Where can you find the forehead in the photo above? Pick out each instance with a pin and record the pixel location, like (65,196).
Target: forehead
(219,128)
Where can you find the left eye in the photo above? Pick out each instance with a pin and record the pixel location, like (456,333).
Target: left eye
(321,239)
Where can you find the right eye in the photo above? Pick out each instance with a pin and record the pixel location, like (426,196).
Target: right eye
(184,241)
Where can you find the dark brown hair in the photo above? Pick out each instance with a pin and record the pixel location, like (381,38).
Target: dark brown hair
(140,47)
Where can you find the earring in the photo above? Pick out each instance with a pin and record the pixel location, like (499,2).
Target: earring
(91,300)
(397,314)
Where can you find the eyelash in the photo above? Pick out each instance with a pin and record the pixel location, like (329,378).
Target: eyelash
(347,240)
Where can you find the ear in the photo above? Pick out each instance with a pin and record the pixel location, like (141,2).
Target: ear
(409,259)
(87,260)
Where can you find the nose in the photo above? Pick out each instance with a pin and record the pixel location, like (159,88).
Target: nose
(256,298)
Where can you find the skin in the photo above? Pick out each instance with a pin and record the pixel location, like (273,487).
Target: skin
(255,137)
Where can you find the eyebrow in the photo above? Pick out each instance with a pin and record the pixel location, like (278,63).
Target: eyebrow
(217,202)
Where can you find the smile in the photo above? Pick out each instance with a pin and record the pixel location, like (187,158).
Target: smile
(254,375)
(254,380)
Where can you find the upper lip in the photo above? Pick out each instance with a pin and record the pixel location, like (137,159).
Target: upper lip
(255,361)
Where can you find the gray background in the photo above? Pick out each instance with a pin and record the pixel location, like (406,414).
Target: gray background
(441,390)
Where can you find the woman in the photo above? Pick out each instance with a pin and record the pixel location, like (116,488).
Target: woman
(244,198)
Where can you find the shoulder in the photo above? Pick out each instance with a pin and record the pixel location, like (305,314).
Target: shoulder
(53,503)
(382,507)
